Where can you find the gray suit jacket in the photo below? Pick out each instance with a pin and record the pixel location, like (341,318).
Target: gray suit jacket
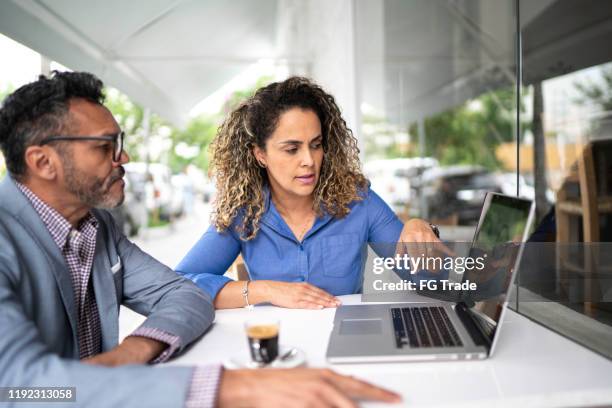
(38,326)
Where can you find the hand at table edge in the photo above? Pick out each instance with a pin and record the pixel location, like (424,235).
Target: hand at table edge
(297,387)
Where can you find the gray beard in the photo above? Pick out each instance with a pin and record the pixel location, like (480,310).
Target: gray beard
(93,191)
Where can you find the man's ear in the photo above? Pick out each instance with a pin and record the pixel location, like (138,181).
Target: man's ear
(260,156)
(41,161)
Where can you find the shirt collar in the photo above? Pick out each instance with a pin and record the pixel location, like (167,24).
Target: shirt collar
(56,224)
(272,217)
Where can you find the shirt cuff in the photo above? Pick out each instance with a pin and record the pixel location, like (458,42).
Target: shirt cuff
(173,342)
(204,386)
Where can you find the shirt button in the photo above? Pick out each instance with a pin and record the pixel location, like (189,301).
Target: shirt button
(301,248)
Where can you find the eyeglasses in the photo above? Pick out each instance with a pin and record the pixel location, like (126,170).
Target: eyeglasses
(116,139)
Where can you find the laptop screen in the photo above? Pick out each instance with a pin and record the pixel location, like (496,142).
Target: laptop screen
(500,232)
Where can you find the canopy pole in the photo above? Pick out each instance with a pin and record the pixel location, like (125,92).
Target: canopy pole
(539,153)
(45,66)
(423,210)
(146,130)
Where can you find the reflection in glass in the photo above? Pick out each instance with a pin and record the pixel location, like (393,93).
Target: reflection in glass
(568,70)
(437,89)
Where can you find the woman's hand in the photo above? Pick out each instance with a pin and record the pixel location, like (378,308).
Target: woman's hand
(296,295)
(418,239)
(417,230)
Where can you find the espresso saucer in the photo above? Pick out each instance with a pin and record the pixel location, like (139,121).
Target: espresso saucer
(244,360)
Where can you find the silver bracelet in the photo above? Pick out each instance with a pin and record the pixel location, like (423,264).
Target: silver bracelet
(245,293)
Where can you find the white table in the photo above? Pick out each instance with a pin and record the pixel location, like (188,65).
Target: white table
(532,366)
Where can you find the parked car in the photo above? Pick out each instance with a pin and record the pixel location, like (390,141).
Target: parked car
(507,183)
(390,178)
(456,192)
(209,190)
(183,195)
(131,216)
(157,187)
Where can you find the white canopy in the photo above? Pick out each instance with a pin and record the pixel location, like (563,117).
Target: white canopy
(171,54)
(165,54)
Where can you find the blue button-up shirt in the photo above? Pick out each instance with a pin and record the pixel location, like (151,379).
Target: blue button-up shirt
(331,255)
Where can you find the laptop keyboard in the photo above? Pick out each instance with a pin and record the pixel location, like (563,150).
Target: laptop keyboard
(424,326)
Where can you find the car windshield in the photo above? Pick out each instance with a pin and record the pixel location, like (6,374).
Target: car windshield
(473,181)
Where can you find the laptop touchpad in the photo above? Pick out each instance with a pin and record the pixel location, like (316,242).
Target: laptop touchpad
(360,326)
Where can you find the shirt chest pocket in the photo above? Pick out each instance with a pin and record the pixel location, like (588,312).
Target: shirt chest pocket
(341,255)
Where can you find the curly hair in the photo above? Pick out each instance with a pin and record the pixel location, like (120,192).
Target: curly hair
(40,109)
(240,180)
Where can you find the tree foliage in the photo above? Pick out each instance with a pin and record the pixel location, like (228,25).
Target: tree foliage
(194,137)
(598,93)
(130,117)
(469,133)
(240,95)
(197,136)
(200,131)
(381,139)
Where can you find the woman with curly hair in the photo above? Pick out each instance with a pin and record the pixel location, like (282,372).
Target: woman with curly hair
(292,200)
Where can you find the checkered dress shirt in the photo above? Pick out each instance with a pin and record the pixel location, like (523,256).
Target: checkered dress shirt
(78,248)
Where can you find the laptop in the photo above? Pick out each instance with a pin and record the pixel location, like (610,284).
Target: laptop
(464,329)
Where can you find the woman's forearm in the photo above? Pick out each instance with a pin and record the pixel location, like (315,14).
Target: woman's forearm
(230,296)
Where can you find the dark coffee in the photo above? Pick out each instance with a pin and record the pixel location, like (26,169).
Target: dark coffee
(263,342)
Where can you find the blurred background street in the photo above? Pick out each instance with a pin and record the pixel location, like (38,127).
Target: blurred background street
(168,244)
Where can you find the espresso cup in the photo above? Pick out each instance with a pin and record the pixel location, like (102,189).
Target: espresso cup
(263,340)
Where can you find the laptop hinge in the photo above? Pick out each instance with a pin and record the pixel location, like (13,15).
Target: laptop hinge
(472,325)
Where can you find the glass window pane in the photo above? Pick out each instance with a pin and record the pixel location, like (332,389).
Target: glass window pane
(437,86)
(566,164)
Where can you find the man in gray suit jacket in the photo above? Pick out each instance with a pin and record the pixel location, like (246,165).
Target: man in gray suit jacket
(65,269)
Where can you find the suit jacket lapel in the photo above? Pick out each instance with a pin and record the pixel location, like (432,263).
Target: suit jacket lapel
(18,205)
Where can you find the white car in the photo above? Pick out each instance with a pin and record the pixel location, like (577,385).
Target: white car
(390,178)
(508,186)
(157,186)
